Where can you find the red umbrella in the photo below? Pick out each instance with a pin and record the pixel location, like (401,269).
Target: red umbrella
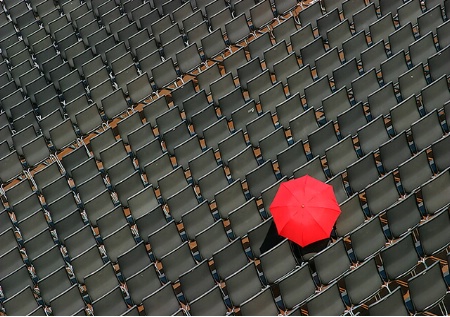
(304,210)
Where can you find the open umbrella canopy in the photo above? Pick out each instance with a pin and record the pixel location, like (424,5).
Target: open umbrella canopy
(304,210)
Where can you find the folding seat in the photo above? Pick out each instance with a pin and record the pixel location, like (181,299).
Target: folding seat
(234,61)
(128,186)
(69,224)
(359,180)
(219,15)
(290,284)
(238,293)
(403,216)
(222,197)
(401,39)
(443,38)
(317,91)
(197,33)
(91,187)
(439,149)
(438,63)
(381,194)
(119,242)
(207,77)
(299,80)
(391,7)
(68,302)
(32,225)
(10,260)
(215,133)
(11,167)
(433,234)
(382,28)
(329,271)
(403,249)
(351,120)
(197,219)
(243,6)
(353,46)
(62,134)
(213,44)
(101,281)
(291,158)
(248,71)
(364,85)
(21,303)
(242,163)
(326,63)
(257,47)
(62,207)
(428,289)
(121,63)
(172,182)
(148,60)
(187,150)
(374,56)
(262,302)
(260,178)
(395,151)
(435,95)
(53,284)
(35,151)
(286,67)
(363,283)
(229,259)
(181,202)
(393,67)
(340,155)
(434,193)
(154,109)
(310,52)
(364,17)
(272,144)
(289,109)
(322,138)
(430,20)
(188,59)
(426,130)
(152,302)
(22,137)
(259,128)
(273,273)
(222,87)
(177,262)
(404,114)
(283,30)
(336,104)
(310,15)
(261,15)
(247,211)
(110,221)
(164,74)
(143,283)
(420,50)
(8,240)
(301,38)
(232,145)
(111,302)
(176,136)
(409,12)
(303,124)
(244,114)
(352,216)
(408,169)
(202,164)
(114,103)
(150,222)
(125,76)
(87,25)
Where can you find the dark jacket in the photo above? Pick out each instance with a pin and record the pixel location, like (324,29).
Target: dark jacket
(301,253)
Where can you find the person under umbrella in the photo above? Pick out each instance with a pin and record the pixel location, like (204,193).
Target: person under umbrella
(304,211)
